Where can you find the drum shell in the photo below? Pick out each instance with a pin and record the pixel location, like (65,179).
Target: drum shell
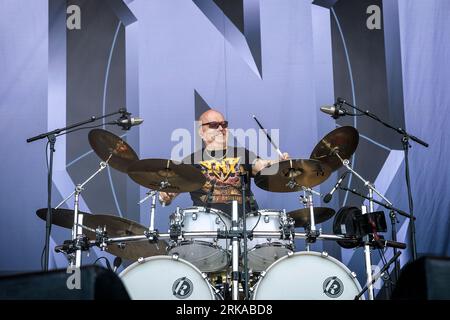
(163,278)
(206,253)
(262,252)
(307,275)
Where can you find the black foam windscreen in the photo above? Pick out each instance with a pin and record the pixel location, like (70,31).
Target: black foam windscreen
(94,283)
(427,278)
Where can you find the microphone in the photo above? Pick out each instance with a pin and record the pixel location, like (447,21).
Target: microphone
(329,195)
(127,122)
(334,110)
(117,262)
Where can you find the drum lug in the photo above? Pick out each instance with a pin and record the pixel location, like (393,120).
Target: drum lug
(290,253)
(175,256)
(141,260)
(266,219)
(353,274)
(194,216)
(217,220)
(324,254)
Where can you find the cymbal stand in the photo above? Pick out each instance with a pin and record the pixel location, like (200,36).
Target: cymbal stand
(235,252)
(312,232)
(75,258)
(152,233)
(366,239)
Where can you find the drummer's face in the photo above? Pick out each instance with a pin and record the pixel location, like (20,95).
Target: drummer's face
(213,137)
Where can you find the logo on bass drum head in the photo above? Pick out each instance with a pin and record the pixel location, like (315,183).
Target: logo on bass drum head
(333,287)
(182,288)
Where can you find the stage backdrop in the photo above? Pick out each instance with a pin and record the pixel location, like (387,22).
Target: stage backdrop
(168,61)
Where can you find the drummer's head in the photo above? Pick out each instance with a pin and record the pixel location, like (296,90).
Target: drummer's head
(213,129)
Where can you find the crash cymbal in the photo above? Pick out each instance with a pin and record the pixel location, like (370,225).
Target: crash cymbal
(302,216)
(292,175)
(343,141)
(115,227)
(151,173)
(105,143)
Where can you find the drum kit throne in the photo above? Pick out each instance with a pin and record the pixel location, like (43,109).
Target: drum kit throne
(209,254)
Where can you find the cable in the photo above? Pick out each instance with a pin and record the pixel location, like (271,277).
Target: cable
(108,264)
(257,221)
(383,258)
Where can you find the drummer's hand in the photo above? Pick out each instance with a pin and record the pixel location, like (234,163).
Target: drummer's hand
(166,197)
(285,156)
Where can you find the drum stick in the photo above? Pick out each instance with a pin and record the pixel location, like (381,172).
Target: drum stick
(268,137)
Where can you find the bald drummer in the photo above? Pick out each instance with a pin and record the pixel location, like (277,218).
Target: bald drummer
(220,164)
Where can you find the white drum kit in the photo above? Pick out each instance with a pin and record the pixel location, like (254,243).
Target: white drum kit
(207,254)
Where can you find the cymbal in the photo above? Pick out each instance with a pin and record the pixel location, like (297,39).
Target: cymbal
(302,217)
(343,141)
(292,175)
(151,173)
(105,143)
(115,227)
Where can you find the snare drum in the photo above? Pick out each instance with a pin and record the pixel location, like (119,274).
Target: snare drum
(207,254)
(262,252)
(165,278)
(307,276)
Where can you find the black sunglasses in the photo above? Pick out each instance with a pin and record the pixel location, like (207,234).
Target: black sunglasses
(216,124)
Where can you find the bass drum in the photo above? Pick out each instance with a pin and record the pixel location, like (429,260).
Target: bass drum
(307,276)
(165,278)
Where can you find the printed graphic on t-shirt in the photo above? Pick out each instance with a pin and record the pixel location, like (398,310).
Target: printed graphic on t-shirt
(221,176)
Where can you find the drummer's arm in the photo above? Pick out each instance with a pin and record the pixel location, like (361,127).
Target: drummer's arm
(167,197)
(260,164)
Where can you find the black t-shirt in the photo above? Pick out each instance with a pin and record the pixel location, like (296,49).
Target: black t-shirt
(223,181)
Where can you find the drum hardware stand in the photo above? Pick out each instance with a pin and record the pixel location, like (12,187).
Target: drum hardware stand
(311,231)
(77,222)
(51,136)
(380,274)
(244,182)
(235,253)
(405,142)
(366,239)
(151,233)
(392,214)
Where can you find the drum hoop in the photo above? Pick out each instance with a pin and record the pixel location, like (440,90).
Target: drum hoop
(200,242)
(266,212)
(272,244)
(307,253)
(201,210)
(137,263)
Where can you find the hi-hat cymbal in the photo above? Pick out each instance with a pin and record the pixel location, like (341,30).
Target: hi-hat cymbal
(115,227)
(302,217)
(292,175)
(343,141)
(166,175)
(105,143)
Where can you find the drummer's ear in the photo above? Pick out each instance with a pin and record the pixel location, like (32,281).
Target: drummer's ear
(200,131)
